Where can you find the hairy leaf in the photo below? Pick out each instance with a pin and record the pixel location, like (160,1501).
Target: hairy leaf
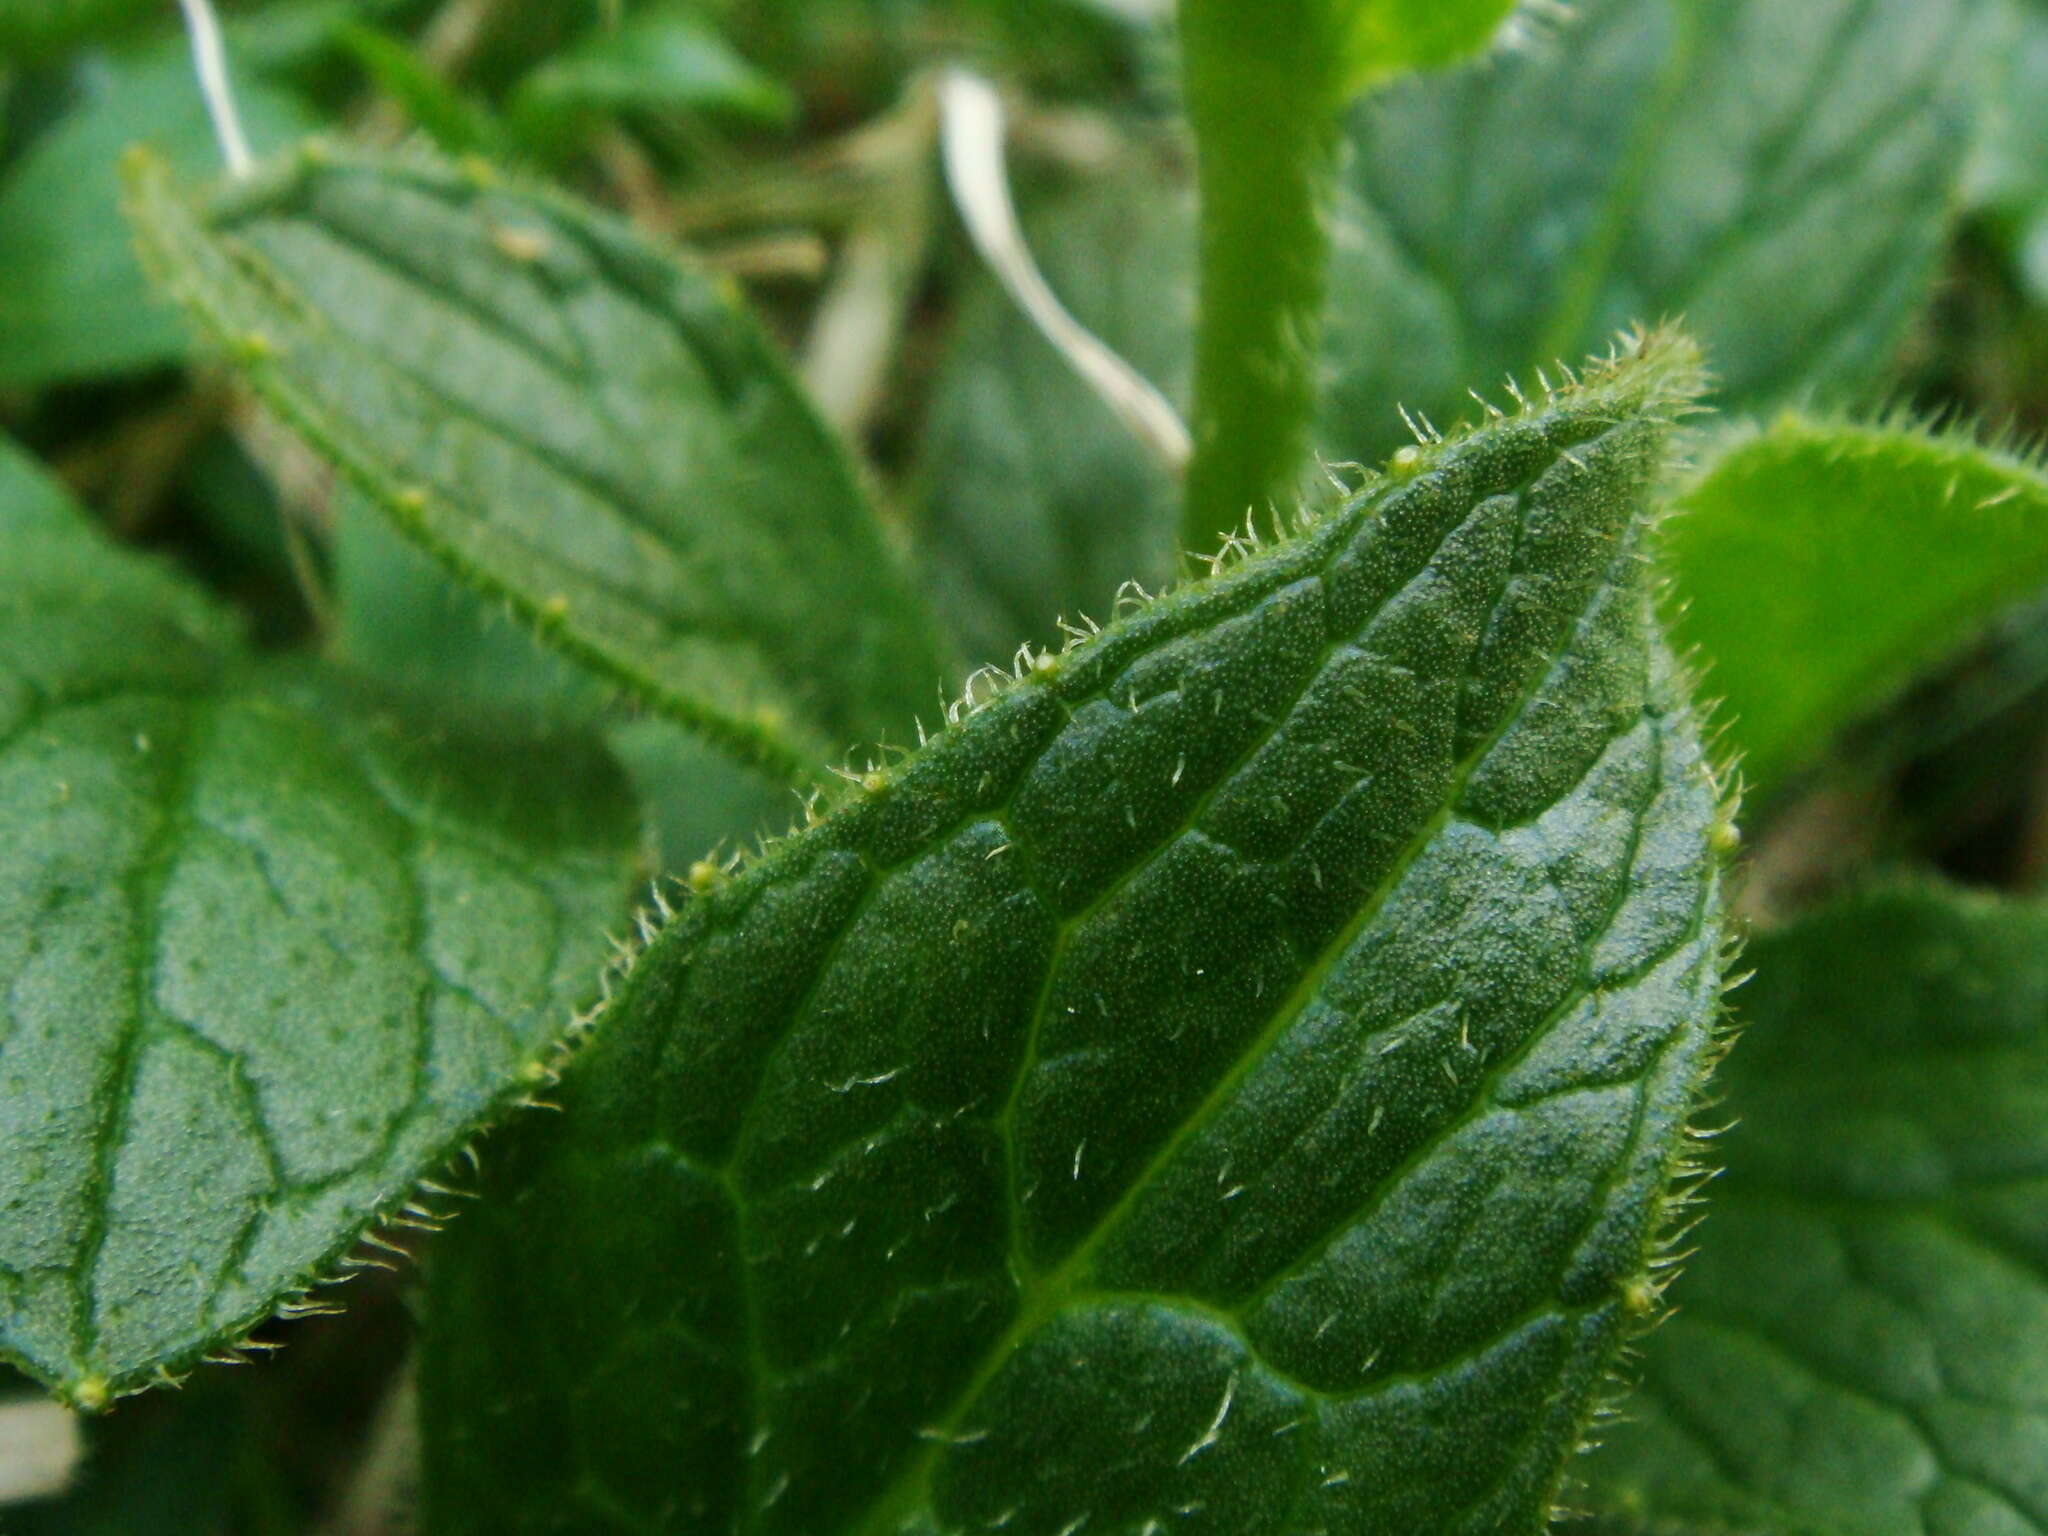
(573,421)
(1225,1084)
(400,616)
(1780,175)
(1821,566)
(270,949)
(1788,198)
(1861,1347)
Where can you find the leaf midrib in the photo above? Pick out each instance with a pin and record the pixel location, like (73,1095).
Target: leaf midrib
(1041,1297)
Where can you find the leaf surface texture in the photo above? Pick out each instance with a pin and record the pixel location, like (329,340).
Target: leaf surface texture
(1861,1345)
(575,422)
(1224,1084)
(271,949)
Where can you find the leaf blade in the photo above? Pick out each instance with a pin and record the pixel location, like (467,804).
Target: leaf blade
(929,1106)
(1858,1345)
(576,423)
(1884,550)
(250,1003)
(1781,179)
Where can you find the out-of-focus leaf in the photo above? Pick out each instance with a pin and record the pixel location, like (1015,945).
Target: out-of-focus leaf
(274,947)
(2009,173)
(1819,567)
(401,616)
(1384,38)
(73,302)
(575,422)
(33,29)
(1780,175)
(661,58)
(1860,1347)
(1036,501)
(454,122)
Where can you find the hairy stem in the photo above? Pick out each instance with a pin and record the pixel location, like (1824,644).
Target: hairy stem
(1262,80)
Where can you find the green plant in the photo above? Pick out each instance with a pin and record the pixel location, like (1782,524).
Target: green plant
(1241,1067)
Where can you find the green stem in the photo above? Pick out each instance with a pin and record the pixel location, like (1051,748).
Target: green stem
(1263,88)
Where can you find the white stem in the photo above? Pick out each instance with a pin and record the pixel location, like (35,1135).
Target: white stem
(971,118)
(211,60)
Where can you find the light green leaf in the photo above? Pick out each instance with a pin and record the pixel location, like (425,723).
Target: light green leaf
(1861,1346)
(73,302)
(1820,567)
(1779,175)
(573,421)
(1226,1083)
(272,949)
(1384,38)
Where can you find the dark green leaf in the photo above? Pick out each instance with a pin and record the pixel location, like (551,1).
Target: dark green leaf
(573,421)
(1226,1083)
(73,302)
(1780,175)
(1822,566)
(401,617)
(1861,1347)
(272,949)
(1036,500)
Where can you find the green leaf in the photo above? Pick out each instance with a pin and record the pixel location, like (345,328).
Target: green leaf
(1860,1348)
(272,949)
(1036,501)
(662,58)
(1384,38)
(1821,566)
(399,616)
(31,29)
(455,122)
(1226,1083)
(573,421)
(1780,175)
(1494,219)
(74,304)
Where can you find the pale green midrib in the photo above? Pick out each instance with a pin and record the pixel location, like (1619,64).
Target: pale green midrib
(1490,1078)
(145,892)
(207,703)
(1023,1272)
(1045,1295)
